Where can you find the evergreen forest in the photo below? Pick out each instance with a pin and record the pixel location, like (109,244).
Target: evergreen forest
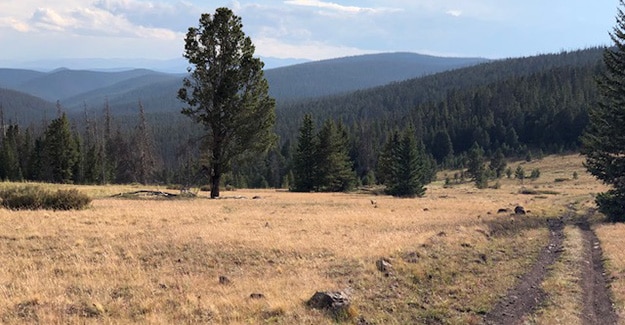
(518,108)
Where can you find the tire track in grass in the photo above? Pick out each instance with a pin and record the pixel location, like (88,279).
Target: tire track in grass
(524,299)
(597,307)
(528,295)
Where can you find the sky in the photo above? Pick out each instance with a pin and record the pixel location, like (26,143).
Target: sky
(305,29)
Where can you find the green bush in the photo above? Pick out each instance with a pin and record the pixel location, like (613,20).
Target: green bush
(35,198)
(22,198)
(611,204)
(67,200)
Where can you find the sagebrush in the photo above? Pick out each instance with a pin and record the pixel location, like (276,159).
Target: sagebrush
(35,198)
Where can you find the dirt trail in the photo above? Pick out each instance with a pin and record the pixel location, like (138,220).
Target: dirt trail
(525,298)
(528,295)
(598,307)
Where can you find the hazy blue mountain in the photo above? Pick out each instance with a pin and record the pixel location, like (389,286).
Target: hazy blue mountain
(65,83)
(176,65)
(123,89)
(12,78)
(327,77)
(139,88)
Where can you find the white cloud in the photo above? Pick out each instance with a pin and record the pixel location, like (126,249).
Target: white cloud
(176,15)
(455,13)
(14,24)
(86,21)
(337,7)
(312,50)
(48,19)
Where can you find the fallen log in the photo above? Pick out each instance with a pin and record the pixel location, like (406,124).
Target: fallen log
(147,193)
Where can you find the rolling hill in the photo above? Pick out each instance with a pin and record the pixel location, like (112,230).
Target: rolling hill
(328,77)
(77,88)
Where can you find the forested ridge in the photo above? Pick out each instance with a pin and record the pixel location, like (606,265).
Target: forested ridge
(520,106)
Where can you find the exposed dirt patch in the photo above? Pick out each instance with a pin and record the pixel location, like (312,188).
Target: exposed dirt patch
(527,296)
(598,307)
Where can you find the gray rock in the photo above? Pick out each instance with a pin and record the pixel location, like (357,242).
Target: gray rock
(332,301)
(384,265)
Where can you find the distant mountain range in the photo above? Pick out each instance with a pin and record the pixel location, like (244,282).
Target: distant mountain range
(178,65)
(77,89)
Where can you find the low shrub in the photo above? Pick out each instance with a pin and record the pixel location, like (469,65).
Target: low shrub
(22,198)
(67,200)
(35,198)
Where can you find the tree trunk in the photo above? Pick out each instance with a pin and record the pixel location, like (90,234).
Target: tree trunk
(215,180)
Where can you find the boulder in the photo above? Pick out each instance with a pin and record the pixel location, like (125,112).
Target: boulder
(384,265)
(334,302)
(519,210)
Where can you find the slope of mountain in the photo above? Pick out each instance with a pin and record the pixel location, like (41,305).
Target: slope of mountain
(24,109)
(157,91)
(65,83)
(13,78)
(327,77)
(397,99)
(141,88)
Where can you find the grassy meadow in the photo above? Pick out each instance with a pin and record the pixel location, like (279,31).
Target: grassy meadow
(158,261)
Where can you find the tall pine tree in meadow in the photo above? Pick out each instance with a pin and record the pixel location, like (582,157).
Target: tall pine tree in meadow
(60,151)
(334,172)
(321,161)
(407,166)
(386,158)
(604,138)
(476,166)
(304,159)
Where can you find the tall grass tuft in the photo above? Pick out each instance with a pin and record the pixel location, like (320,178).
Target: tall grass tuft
(36,198)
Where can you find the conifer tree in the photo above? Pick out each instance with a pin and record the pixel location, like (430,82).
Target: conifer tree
(476,166)
(227,93)
(304,158)
(442,147)
(61,153)
(10,168)
(386,158)
(407,168)
(334,172)
(145,159)
(604,138)
(498,163)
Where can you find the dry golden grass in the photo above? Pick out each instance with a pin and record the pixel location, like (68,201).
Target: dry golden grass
(612,239)
(565,295)
(158,261)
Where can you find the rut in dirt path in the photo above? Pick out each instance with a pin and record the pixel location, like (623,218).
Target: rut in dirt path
(525,298)
(598,308)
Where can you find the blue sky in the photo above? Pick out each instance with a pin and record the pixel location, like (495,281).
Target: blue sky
(309,29)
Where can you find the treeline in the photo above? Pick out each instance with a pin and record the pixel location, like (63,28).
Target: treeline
(95,153)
